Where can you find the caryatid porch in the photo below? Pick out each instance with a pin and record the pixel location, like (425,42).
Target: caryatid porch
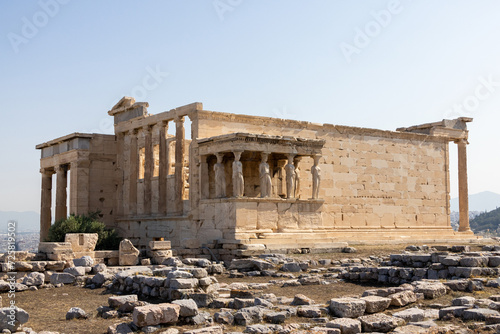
(249,165)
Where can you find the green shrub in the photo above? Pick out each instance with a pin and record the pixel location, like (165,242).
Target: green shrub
(108,238)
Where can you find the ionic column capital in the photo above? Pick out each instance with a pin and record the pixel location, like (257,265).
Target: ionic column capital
(47,171)
(462,141)
(61,168)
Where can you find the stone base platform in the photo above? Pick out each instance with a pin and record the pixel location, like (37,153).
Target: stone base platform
(358,236)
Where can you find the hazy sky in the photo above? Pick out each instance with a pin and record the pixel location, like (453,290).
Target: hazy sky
(379,64)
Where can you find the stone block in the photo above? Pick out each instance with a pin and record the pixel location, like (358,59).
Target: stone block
(345,325)
(206,330)
(309,311)
(375,304)
(64,278)
(403,298)
(54,247)
(494,261)
(117,301)
(160,245)
(188,307)
(21,317)
(183,283)
(152,315)
(455,311)
(75,271)
(378,322)
(34,279)
(128,254)
(82,242)
(478,314)
(410,315)
(474,261)
(84,261)
(347,307)
(430,290)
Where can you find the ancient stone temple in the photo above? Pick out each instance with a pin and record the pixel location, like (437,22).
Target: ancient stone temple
(245,180)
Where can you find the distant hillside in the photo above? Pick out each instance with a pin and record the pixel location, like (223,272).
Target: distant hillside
(483,201)
(27,221)
(486,221)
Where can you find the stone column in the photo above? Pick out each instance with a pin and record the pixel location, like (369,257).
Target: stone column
(163,171)
(148,168)
(46,203)
(204,179)
(179,165)
(134,172)
(61,193)
(463,191)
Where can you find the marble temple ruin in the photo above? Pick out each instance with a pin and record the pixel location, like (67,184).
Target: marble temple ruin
(245,181)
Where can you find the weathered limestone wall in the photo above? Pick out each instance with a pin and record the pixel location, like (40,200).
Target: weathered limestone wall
(370,178)
(103,177)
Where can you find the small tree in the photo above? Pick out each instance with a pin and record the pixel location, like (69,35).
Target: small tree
(107,238)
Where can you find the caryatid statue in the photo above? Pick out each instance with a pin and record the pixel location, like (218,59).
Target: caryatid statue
(316,177)
(220,177)
(238,181)
(290,177)
(297,178)
(265,177)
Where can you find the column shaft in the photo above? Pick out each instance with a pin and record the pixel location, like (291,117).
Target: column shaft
(163,171)
(61,192)
(46,203)
(148,170)
(204,179)
(134,173)
(463,191)
(179,165)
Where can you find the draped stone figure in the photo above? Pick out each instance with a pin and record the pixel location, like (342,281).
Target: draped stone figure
(265,177)
(220,177)
(290,177)
(316,177)
(297,178)
(238,181)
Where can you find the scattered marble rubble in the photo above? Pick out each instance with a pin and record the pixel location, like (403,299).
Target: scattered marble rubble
(189,286)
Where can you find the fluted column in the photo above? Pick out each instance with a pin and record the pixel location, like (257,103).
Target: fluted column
(463,189)
(46,203)
(134,173)
(61,192)
(148,169)
(163,171)
(179,164)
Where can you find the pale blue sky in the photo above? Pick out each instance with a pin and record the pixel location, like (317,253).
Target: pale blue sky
(279,58)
